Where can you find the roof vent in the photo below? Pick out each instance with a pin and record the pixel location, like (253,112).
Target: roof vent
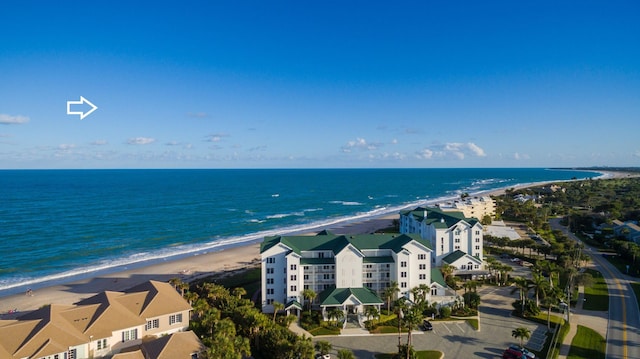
(442,220)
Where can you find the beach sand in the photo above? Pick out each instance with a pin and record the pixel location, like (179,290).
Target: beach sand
(187,269)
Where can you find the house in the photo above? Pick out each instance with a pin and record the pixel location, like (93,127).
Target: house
(476,207)
(447,233)
(179,345)
(629,230)
(347,272)
(98,326)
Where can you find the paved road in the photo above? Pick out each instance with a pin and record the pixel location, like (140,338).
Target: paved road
(623,338)
(454,339)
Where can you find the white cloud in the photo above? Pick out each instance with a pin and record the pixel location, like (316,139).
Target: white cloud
(140,141)
(636,154)
(453,150)
(360,144)
(520,156)
(66,146)
(12,120)
(99,142)
(216,137)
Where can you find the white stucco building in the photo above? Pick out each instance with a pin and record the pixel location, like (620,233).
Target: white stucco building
(346,271)
(454,238)
(476,207)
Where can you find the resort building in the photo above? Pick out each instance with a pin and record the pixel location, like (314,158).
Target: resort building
(476,207)
(346,271)
(101,326)
(454,238)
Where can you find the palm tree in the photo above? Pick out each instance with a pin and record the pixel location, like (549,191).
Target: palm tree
(390,292)
(447,270)
(412,318)
(521,333)
(239,292)
(539,284)
(309,295)
(551,298)
(371,312)
(523,286)
(336,314)
(277,306)
(323,347)
(345,354)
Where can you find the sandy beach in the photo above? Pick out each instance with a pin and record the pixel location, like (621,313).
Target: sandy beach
(187,269)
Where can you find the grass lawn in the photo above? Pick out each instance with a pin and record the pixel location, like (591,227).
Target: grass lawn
(587,344)
(422,354)
(324,331)
(473,323)
(597,295)
(620,263)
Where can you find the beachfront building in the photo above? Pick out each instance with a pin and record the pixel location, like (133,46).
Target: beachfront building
(454,238)
(98,326)
(476,207)
(347,272)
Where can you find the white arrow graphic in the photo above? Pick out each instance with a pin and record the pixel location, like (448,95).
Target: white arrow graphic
(81,102)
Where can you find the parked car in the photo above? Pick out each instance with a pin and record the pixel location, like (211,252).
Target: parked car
(524,351)
(513,354)
(426,325)
(320,356)
(515,259)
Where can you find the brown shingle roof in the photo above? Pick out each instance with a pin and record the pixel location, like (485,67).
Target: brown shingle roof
(178,345)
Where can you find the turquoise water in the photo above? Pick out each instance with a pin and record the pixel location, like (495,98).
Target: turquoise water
(56,225)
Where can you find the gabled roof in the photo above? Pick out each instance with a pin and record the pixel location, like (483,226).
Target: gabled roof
(439,218)
(175,346)
(333,296)
(455,255)
(293,304)
(336,243)
(436,277)
(153,299)
(110,313)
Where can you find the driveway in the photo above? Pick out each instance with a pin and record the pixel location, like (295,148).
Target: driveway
(456,339)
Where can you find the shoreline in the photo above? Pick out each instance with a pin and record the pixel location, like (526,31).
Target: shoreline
(193,266)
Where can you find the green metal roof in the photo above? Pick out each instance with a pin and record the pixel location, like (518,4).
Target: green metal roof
(436,276)
(294,304)
(454,256)
(312,261)
(333,296)
(336,243)
(439,218)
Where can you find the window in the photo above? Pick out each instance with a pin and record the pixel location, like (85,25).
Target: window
(423,276)
(271,260)
(269,301)
(294,277)
(403,274)
(464,266)
(326,276)
(434,291)
(422,256)
(476,266)
(269,291)
(325,267)
(128,335)
(305,277)
(102,344)
(306,267)
(457,247)
(294,288)
(294,267)
(403,285)
(321,255)
(176,318)
(477,240)
(369,275)
(269,280)
(477,233)
(152,324)
(441,248)
(477,248)
(403,264)
(71,354)
(457,240)
(306,286)
(269,270)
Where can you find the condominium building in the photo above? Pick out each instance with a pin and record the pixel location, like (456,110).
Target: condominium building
(476,207)
(454,238)
(346,271)
(96,327)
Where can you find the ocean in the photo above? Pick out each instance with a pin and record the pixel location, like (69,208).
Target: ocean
(62,225)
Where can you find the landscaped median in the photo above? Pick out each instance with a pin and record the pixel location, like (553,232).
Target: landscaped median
(587,344)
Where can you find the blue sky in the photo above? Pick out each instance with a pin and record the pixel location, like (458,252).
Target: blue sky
(207,84)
